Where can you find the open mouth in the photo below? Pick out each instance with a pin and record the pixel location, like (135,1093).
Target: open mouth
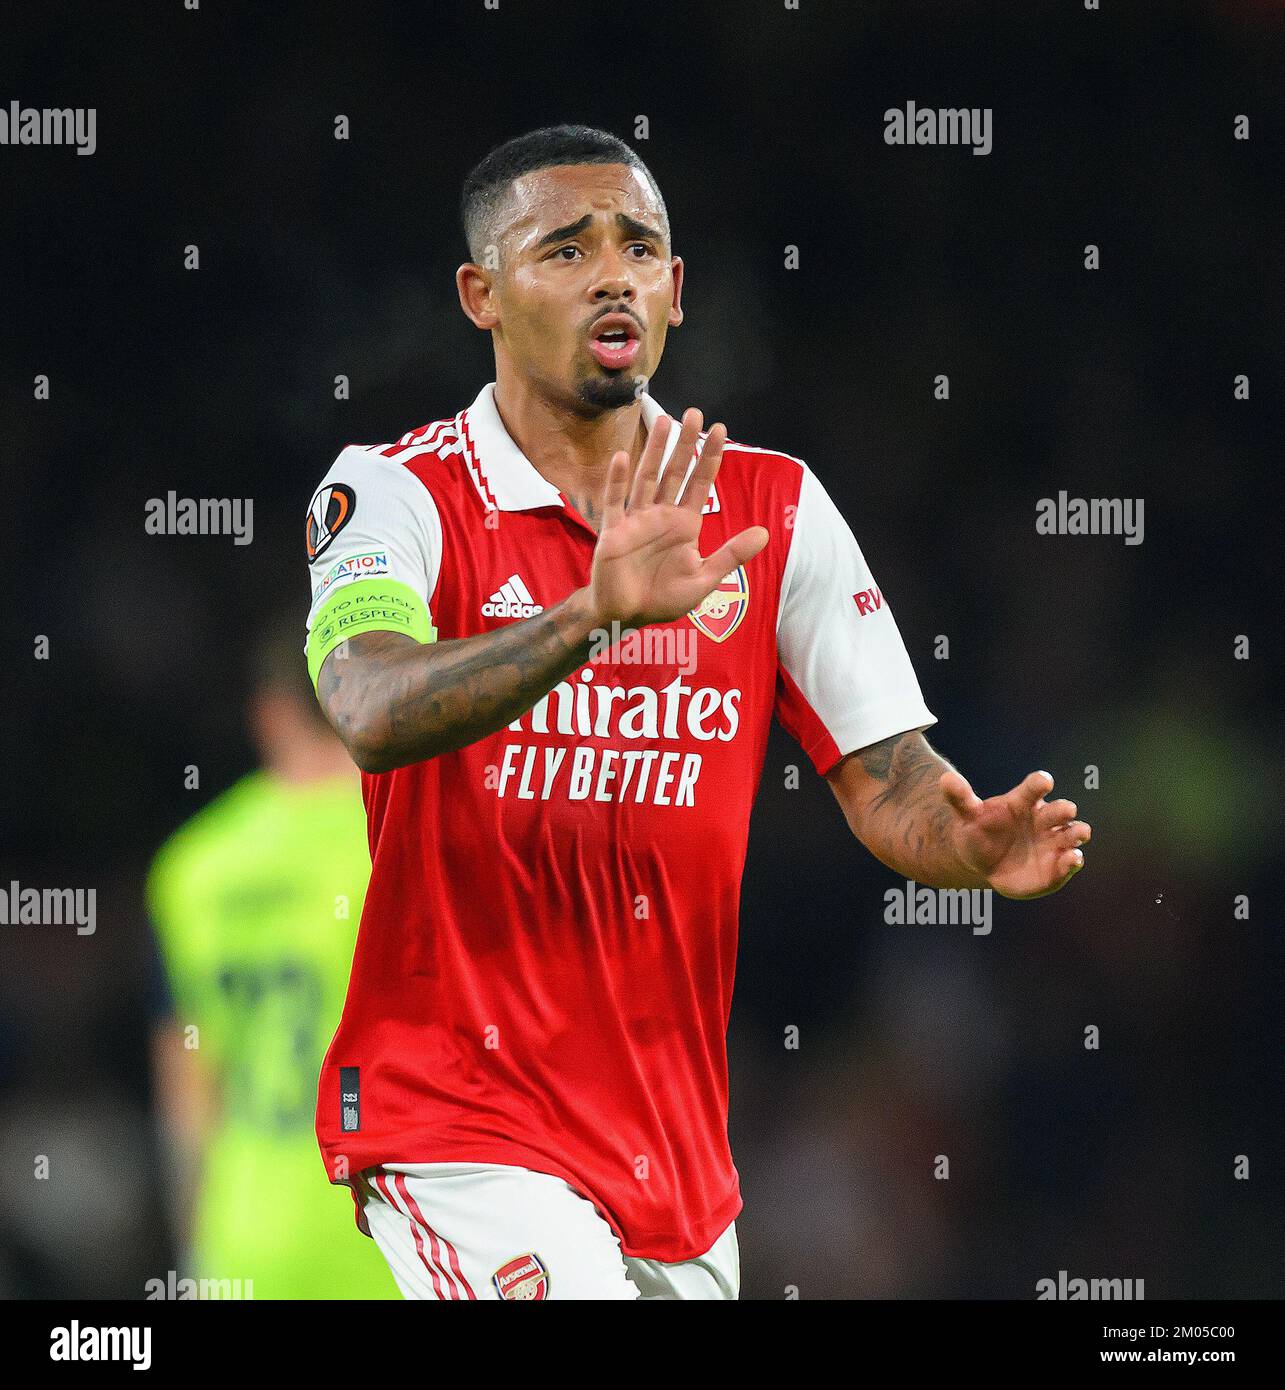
(615,342)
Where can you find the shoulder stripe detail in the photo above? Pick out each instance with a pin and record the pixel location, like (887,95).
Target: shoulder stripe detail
(430,436)
(471,462)
(427,432)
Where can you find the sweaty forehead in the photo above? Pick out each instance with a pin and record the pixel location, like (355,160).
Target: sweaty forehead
(558,196)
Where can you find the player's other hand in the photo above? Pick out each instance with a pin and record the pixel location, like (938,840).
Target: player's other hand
(647,567)
(1023,845)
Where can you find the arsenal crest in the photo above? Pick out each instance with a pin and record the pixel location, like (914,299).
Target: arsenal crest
(524,1279)
(721,610)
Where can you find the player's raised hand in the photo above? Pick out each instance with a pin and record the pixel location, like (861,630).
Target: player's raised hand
(1022,844)
(647,567)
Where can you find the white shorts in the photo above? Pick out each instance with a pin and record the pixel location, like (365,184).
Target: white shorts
(459,1231)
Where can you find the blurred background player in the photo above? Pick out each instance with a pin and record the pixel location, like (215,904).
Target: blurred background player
(255,902)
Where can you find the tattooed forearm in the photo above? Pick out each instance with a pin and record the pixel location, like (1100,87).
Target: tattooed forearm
(896,807)
(395,702)
(904,762)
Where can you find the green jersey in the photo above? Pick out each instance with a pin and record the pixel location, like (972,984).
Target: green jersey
(256,902)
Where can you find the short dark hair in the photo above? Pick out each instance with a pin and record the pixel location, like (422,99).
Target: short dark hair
(488,181)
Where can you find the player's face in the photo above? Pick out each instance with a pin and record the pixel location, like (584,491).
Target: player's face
(587,289)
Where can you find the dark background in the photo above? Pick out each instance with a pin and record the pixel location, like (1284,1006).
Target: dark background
(766,129)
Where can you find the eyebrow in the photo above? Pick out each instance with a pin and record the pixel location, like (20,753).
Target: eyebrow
(562,233)
(625,223)
(638,229)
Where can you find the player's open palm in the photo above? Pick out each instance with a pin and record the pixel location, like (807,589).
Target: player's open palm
(1024,845)
(647,567)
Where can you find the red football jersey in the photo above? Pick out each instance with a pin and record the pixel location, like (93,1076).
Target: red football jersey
(543,973)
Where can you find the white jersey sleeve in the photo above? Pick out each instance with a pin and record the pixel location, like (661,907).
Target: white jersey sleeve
(370,518)
(844,678)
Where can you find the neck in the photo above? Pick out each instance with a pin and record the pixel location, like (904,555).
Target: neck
(572,451)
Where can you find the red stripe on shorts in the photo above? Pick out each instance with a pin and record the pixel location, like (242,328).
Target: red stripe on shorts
(413,1205)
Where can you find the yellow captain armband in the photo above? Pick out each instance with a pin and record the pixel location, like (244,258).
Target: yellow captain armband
(367,605)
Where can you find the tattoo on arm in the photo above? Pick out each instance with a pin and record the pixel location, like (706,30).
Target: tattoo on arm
(911,811)
(394,702)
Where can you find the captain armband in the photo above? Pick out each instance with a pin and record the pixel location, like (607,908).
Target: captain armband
(367,605)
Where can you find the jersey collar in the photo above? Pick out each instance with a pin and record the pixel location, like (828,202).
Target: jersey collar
(504,474)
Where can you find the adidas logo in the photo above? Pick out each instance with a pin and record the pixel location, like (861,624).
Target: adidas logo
(511,600)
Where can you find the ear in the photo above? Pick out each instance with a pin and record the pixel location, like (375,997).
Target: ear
(676,308)
(476,295)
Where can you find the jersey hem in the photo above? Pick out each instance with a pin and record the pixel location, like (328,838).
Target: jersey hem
(707,1230)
